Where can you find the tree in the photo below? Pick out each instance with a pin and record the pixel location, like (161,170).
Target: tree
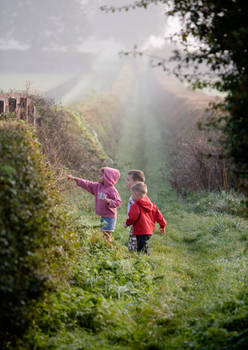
(220,31)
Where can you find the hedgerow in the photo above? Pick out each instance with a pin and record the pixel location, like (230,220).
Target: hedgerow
(34,244)
(67,139)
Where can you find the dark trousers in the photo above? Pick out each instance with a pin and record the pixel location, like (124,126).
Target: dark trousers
(142,243)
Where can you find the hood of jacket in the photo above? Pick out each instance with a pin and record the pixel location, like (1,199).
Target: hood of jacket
(111,176)
(145,203)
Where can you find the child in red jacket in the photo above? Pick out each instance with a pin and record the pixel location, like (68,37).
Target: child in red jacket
(142,215)
(133,177)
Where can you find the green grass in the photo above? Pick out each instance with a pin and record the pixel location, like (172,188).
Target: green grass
(191,293)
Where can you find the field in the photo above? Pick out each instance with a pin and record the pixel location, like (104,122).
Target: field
(190,293)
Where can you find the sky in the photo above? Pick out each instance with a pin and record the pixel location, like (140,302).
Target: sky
(97,28)
(50,42)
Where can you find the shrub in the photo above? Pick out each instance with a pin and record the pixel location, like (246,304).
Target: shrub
(30,227)
(67,140)
(198,165)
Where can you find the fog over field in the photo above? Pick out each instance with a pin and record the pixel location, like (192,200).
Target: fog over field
(72,44)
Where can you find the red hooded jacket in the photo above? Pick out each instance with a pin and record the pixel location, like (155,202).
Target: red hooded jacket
(142,215)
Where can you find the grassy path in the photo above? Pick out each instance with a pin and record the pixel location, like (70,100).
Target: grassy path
(200,267)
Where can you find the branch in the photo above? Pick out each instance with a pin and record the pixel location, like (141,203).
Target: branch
(132,6)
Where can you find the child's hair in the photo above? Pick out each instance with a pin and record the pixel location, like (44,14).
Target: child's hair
(137,175)
(139,188)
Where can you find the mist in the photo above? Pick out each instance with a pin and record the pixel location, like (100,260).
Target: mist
(68,49)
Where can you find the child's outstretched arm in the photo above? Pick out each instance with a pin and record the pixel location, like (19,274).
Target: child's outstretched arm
(70,177)
(87,185)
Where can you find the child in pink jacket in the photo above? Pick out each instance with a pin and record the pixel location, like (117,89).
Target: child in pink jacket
(107,198)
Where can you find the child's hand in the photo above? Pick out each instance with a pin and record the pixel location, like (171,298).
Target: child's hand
(124,224)
(70,177)
(161,229)
(106,200)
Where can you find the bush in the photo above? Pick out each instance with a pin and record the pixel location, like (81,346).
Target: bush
(30,225)
(67,140)
(197,159)
(230,203)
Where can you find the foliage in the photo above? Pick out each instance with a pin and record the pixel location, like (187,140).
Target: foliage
(7,116)
(195,163)
(218,58)
(105,285)
(104,109)
(68,140)
(198,164)
(31,228)
(207,203)
(113,277)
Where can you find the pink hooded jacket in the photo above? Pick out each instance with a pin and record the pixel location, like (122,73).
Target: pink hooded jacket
(102,191)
